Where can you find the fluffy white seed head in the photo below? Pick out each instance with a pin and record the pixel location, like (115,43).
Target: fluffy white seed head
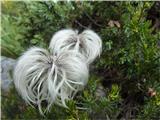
(40,76)
(63,40)
(92,45)
(88,43)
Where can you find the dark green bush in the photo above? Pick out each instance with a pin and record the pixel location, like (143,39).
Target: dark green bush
(128,67)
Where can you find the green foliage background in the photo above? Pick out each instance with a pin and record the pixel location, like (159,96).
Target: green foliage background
(128,67)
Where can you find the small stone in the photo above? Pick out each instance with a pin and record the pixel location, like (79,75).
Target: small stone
(100,92)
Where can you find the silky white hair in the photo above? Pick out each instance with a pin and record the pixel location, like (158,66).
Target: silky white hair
(41,76)
(88,43)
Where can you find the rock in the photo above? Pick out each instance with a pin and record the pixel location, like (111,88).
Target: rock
(100,92)
(7,67)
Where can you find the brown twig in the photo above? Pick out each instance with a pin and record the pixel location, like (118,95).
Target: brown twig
(80,24)
(92,20)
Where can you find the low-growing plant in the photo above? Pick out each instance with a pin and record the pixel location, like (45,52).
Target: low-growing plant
(128,69)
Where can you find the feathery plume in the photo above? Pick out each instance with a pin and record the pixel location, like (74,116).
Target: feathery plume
(88,43)
(41,76)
